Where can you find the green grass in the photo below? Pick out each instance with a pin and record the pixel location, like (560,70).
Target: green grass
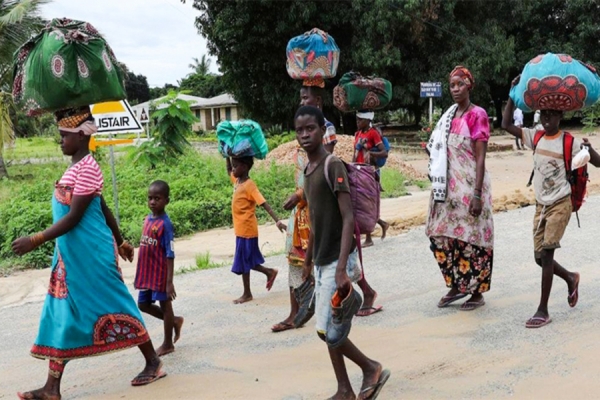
(200,198)
(393,183)
(203,262)
(422,184)
(43,148)
(36,147)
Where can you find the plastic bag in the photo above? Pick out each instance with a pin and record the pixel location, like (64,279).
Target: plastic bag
(243,138)
(581,159)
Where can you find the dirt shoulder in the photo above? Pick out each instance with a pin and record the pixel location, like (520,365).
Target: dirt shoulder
(509,171)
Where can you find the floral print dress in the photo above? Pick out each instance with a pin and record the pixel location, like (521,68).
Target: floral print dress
(463,244)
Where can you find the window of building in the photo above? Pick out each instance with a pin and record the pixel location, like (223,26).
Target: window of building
(228,113)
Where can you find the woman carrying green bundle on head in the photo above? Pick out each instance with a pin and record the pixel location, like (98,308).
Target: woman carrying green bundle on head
(88,310)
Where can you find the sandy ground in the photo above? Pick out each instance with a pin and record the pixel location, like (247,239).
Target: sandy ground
(228,351)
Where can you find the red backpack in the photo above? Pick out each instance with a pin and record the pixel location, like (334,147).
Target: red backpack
(578,178)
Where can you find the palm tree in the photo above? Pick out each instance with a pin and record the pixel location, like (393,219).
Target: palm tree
(201,67)
(6,129)
(19,20)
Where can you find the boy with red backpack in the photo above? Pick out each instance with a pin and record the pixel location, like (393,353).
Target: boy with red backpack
(559,191)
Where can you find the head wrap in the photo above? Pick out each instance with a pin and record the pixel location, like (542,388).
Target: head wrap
(74,120)
(320,82)
(463,74)
(88,128)
(366,115)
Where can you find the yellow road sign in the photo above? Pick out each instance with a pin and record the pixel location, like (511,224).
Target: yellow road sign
(94,144)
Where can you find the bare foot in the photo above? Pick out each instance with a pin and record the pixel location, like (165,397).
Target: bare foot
(370,379)
(367,243)
(177,328)
(165,349)
(243,299)
(384,228)
(343,395)
(38,394)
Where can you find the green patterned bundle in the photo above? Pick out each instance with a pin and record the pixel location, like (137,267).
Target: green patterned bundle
(69,64)
(355,92)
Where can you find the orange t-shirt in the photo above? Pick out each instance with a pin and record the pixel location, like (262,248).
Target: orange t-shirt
(243,208)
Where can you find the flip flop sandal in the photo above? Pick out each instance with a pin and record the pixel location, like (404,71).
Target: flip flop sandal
(367,311)
(271,281)
(383,378)
(282,326)
(145,379)
(447,300)
(544,322)
(471,305)
(574,296)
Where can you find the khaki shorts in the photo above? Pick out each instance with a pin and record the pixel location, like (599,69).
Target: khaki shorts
(550,223)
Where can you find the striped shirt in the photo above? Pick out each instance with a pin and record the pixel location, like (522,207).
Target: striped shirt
(85,177)
(156,246)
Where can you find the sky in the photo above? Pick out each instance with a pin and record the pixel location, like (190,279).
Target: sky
(154,38)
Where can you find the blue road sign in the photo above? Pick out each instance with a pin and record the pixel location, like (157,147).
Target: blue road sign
(431,89)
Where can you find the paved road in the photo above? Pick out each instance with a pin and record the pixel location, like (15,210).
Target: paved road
(228,351)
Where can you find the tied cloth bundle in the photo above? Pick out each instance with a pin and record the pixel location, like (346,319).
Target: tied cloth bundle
(318,82)
(75,120)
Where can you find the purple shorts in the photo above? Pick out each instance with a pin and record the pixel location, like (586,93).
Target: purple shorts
(150,296)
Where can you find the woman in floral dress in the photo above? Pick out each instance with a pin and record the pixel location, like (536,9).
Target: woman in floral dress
(460,223)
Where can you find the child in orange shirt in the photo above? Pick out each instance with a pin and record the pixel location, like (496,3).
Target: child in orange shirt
(243,206)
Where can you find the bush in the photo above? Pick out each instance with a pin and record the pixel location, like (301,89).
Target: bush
(201,194)
(25,209)
(275,141)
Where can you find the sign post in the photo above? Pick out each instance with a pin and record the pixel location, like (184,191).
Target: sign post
(114,117)
(431,90)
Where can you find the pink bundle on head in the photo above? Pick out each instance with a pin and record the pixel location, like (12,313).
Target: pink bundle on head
(464,74)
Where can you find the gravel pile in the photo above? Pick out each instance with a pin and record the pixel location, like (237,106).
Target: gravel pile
(345,150)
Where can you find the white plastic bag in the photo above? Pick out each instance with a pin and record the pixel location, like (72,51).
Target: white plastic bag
(581,159)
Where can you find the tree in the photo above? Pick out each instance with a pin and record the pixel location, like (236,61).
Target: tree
(157,92)
(136,86)
(6,129)
(249,39)
(172,123)
(405,41)
(202,85)
(18,22)
(201,67)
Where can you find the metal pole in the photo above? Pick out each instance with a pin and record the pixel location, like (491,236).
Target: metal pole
(430,110)
(114,181)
